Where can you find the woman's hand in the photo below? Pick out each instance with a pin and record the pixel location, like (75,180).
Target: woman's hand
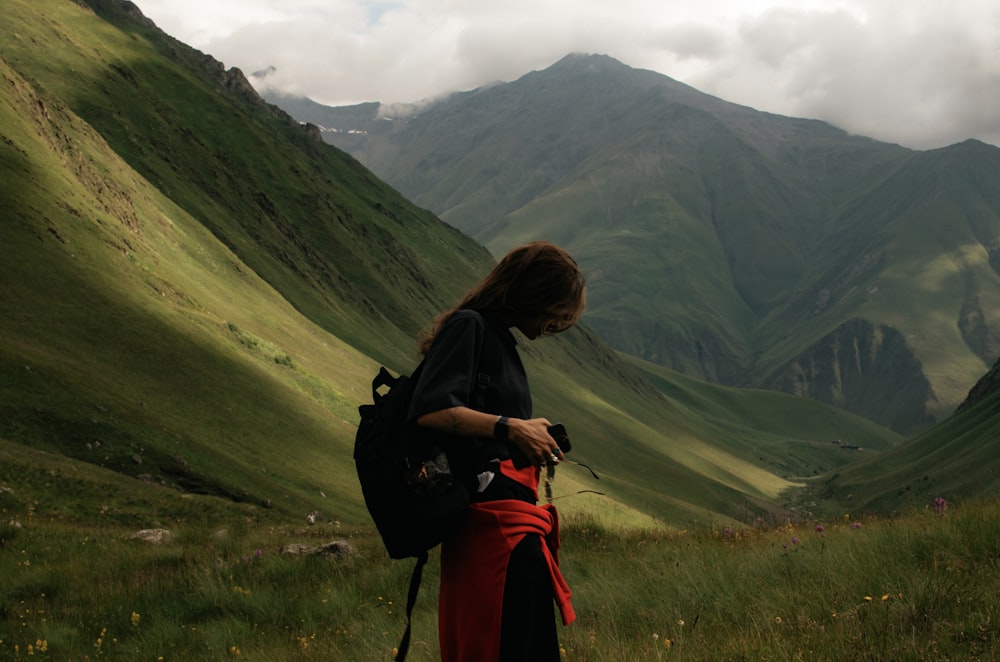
(533,438)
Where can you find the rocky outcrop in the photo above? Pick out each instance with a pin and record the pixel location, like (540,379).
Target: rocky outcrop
(866,369)
(129,9)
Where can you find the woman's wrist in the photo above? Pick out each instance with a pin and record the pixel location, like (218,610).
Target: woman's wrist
(501,429)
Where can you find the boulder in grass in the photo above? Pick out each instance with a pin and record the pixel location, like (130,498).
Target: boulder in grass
(153,536)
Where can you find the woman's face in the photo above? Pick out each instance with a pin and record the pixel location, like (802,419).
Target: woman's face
(533,328)
(551,322)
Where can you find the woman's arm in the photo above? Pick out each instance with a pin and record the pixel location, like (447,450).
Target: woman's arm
(531,436)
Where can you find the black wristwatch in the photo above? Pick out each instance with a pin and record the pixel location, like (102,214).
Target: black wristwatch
(501,429)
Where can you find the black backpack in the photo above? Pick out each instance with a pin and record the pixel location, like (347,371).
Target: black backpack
(406,478)
(414,495)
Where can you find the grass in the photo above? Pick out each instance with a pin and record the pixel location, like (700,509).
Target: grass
(923,586)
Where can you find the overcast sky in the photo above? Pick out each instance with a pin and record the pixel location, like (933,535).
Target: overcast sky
(921,73)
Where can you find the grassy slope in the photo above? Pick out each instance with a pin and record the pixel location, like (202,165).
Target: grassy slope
(954,460)
(310,220)
(130,327)
(153,340)
(789,435)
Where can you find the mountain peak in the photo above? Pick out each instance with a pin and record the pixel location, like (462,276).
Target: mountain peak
(596,63)
(589,61)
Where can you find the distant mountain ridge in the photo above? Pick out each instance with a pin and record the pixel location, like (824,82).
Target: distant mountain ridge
(738,246)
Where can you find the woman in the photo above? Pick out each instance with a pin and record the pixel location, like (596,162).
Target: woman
(499,574)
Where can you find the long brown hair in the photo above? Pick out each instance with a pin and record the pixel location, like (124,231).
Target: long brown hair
(535,280)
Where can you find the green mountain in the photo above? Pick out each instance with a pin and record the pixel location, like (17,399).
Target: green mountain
(176,254)
(733,245)
(197,291)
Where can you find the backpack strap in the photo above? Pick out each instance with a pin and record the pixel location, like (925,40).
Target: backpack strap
(411,600)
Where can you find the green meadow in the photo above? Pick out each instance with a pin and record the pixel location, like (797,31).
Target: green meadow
(78,586)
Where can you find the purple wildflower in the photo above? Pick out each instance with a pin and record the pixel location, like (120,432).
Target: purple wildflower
(940,505)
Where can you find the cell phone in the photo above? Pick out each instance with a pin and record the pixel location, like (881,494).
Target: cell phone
(558,432)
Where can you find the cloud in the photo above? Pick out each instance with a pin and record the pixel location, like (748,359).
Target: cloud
(924,73)
(923,80)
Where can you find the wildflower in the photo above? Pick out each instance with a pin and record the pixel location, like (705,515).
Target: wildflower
(868,598)
(667,643)
(680,622)
(795,540)
(777,619)
(135,619)
(727,533)
(655,636)
(940,505)
(819,528)
(885,597)
(855,525)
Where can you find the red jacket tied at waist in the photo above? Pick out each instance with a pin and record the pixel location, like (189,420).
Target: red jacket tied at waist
(474,568)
